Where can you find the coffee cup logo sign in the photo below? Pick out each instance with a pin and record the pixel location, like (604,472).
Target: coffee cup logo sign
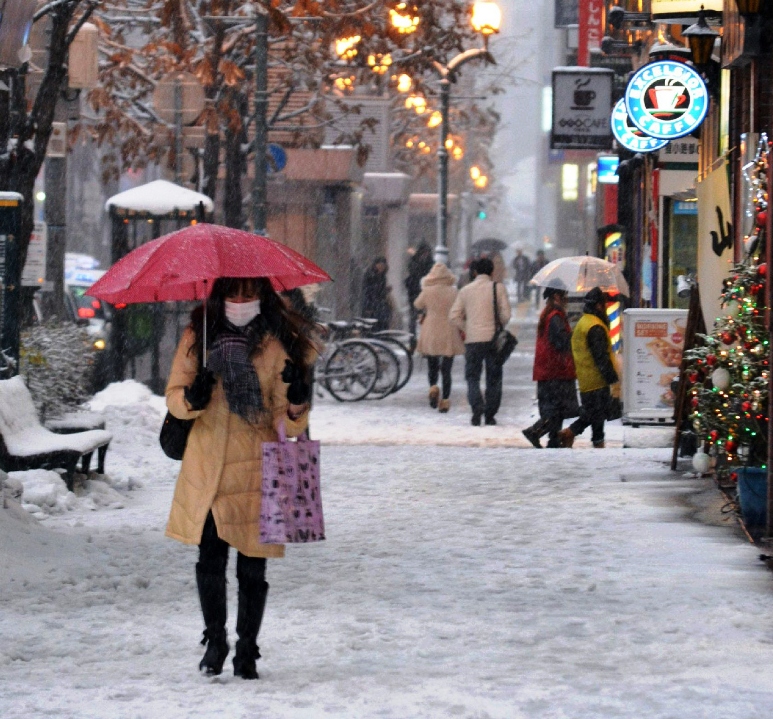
(583,98)
(667,99)
(628,135)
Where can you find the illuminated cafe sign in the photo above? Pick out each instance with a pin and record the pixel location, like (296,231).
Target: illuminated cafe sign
(628,135)
(667,99)
(684,11)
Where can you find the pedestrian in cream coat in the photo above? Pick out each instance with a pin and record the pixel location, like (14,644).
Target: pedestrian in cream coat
(439,340)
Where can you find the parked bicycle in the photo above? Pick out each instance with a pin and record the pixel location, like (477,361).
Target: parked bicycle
(359,364)
(7,364)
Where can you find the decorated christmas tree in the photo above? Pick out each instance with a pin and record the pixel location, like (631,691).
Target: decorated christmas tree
(728,371)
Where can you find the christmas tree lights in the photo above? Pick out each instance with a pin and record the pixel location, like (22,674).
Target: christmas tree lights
(728,373)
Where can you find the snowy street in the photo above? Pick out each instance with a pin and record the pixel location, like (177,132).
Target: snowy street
(465,574)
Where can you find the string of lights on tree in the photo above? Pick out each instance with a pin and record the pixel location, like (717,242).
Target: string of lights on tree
(728,372)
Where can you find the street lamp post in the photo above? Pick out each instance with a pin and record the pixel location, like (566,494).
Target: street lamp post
(259,185)
(486,20)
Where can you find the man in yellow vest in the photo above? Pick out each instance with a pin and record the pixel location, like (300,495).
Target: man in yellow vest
(595,366)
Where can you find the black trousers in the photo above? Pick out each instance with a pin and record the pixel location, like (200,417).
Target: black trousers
(437,365)
(593,413)
(213,555)
(478,355)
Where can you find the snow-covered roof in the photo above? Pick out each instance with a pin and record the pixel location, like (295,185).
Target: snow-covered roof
(159,198)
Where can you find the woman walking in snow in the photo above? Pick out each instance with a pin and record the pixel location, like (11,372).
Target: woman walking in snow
(553,370)
(439,340)
(258,361)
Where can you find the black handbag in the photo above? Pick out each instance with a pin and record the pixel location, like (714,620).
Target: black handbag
(504,341)
(174,435)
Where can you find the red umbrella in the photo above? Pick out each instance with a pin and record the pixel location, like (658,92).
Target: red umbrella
(183,265)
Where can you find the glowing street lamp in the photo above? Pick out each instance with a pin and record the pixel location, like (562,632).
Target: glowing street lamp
(486,18)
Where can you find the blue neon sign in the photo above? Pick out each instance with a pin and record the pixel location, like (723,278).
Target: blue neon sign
(667,99)
(628,135)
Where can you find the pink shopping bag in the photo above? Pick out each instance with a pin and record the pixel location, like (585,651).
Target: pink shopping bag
(291,508)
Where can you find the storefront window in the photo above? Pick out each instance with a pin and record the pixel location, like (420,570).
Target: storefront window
(680,248)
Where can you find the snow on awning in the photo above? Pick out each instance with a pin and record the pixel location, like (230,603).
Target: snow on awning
(159,198)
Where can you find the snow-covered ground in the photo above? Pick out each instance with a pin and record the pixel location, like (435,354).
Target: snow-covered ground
(465,574)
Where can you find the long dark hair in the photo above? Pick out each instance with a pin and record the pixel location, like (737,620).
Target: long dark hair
(275,318)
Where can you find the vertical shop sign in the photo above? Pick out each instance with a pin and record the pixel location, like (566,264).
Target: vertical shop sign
(715,240)
(591,30)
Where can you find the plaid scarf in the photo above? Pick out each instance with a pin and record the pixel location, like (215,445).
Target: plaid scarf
(230,358)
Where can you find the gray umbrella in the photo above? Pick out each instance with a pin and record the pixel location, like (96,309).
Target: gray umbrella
(489,244)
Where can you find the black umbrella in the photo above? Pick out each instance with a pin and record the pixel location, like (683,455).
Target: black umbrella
(489,244)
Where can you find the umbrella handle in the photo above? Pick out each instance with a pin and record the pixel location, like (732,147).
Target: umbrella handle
(204,338)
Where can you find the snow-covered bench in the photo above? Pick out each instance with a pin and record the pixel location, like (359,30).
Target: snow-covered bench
(26,444)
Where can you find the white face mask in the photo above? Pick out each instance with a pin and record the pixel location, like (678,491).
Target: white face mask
(242,313)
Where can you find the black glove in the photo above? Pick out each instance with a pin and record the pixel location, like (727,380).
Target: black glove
(200,392)
(299,390)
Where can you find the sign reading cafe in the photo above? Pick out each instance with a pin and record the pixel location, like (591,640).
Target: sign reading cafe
(581,101)
(628,135)
(667,99)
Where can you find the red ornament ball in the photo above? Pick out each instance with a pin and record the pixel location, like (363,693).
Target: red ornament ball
(762,270)
(762,218)
(733,476)
(693,377)
(694,402)
(714,435)
(746,406)
(711,360)
(728,337)
(730,446)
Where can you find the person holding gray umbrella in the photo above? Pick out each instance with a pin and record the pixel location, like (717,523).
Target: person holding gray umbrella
(553,370)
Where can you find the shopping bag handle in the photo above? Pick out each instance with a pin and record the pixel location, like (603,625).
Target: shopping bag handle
(282,432)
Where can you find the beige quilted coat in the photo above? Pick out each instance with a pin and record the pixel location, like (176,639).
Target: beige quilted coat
(221,469)
(473,309)
(437,336)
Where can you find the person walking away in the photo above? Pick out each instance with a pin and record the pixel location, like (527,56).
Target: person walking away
(418,266)
(553,370)
(499,274)
(539,262)
(473,314)
(595,366)
(258,359)
(439,341)
(521,275)
(376,302)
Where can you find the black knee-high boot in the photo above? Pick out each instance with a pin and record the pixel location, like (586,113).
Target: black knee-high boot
(212,595)
(253,590)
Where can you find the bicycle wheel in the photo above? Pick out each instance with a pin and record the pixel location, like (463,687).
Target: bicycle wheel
(351,371)
(388,370)
(402,352)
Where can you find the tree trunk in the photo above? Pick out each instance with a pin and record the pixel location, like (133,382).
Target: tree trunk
(235,138)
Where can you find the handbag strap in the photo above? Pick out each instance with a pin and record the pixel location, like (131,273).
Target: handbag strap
(497,323)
